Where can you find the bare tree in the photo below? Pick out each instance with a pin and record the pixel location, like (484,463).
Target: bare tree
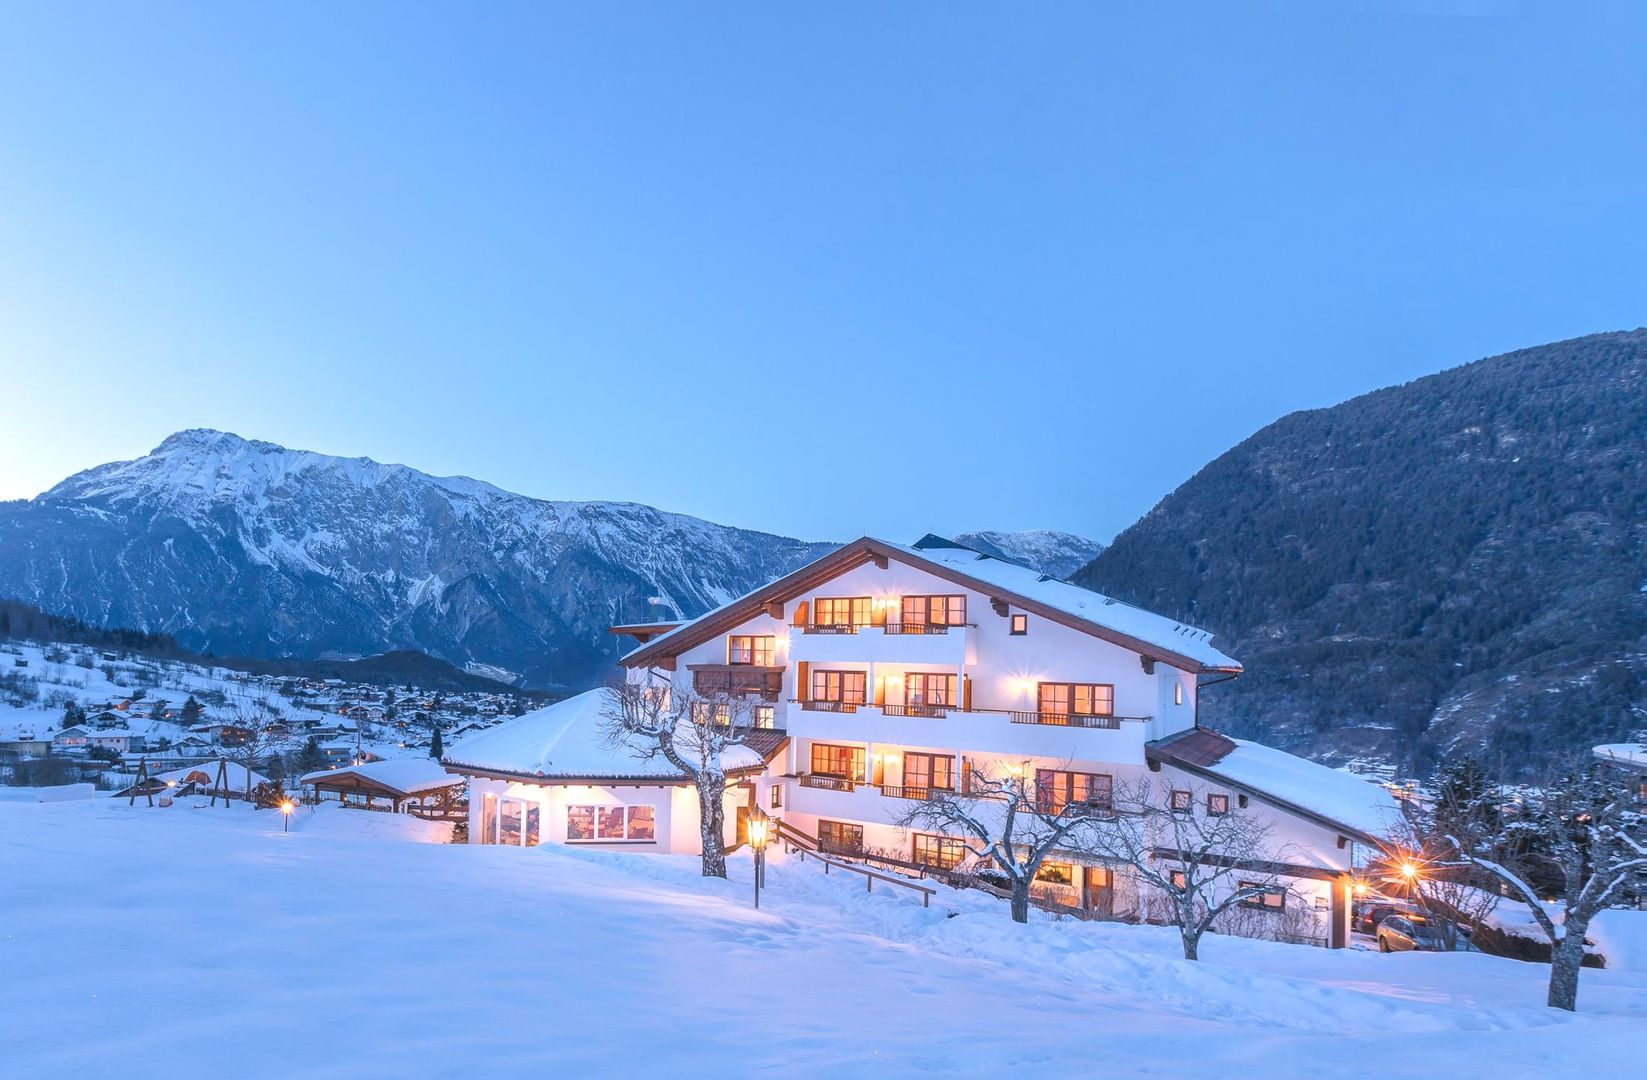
(1465,813)
(1201,863)
(692,732)
(1587,826)
(1005,820)
(261,733)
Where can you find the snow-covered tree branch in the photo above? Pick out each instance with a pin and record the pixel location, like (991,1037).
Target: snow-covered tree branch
(693,732)
(1203,864)
(1586,826)
(1008,823)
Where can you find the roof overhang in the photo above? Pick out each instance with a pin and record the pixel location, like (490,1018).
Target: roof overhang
(868,549)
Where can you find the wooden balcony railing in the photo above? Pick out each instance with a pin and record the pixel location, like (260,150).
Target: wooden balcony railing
(737,679)
(1055,719)
(917,628)
(937,712)
(828,628)
(828,783)
(811,705)
(917,794)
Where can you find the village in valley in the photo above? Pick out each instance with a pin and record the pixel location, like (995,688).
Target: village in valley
(112,719)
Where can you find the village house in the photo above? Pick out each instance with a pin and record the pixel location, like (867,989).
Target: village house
(891,673)
(24,740)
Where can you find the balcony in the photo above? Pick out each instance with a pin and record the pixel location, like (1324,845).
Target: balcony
(1080,720)
(828,706)
(915,794)
(829,628)
(738,680)
(827,783)
(936,712)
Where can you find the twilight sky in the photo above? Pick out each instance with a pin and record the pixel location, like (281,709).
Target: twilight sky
(820,269)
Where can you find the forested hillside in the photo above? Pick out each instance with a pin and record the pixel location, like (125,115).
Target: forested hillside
(1455,565)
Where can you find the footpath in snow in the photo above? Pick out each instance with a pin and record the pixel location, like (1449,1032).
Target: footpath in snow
(357,945)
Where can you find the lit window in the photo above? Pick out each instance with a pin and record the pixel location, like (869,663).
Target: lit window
(1217,805)
(1177,693)
(1020,624)
(1181,801)
(934,610)
(1179,881)
(846,687)
(929,688)
(754,649)
(1055,873)
(853,611)
(611,824)
(1273,898)
(944,852)
(1076,699)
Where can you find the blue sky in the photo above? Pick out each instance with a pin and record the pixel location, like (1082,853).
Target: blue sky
(821,269)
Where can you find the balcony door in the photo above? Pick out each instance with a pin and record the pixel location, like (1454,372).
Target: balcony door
(928,688)
(928,771)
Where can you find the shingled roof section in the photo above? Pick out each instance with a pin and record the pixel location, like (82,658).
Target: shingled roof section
(1197,746)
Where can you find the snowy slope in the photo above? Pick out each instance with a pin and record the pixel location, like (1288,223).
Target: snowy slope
(244,547)
(556,962)
(1045,550)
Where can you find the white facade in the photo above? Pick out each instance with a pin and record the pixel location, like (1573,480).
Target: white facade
(656,817)
(884,709)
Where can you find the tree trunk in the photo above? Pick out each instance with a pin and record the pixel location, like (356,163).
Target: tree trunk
(1192,942)
(712,826)
(1020,900)
(1565,961)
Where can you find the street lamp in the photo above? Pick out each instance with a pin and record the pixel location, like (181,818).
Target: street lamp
(286,808)
(760,831)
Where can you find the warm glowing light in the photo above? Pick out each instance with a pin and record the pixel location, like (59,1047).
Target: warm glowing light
(287,807)
(1409,871)
(760,828)
(1361,888)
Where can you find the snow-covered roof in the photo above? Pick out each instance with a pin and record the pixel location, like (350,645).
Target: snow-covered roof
(1623,753)
(1105,615)
(409,776)
(1169,634)
(1337,796)
(568,739)
(1349,802)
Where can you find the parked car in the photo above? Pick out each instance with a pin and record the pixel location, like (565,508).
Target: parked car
(1408,932)
(1369,913)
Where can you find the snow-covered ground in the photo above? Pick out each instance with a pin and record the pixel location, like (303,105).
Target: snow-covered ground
(206,940)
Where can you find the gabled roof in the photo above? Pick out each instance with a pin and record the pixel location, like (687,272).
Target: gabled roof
(567,741)
(1154,636)
(1355,807)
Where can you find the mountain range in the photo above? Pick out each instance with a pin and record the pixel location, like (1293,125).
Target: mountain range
(241,547)
(1455,566)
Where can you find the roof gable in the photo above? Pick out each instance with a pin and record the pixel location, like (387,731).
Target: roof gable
(1150,635)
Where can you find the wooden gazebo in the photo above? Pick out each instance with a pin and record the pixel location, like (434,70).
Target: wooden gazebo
(391,784)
